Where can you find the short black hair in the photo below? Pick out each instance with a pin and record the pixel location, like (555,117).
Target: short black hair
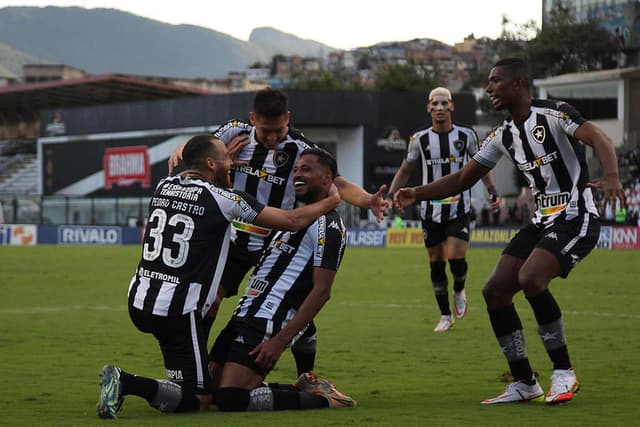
(324,158)
(516,67)
(196,151)
(270,103)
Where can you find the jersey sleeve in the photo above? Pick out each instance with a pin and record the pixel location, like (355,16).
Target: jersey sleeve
(569,118)
(490,150)
(413,151)
(474,142)
(238,204)
(330,242)
(231,129)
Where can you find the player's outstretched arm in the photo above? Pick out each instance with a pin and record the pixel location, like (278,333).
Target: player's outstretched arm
(357,196)
(443,187)
(297,219)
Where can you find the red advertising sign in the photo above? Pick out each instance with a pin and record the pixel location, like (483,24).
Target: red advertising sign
(625,238)
(125,165)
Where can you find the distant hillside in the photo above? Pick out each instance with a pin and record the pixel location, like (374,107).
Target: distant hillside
(273,41)
(108,40)
(12,59)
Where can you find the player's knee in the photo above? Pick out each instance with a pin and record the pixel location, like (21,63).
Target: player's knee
(531,282)
(458,268)
(232,399)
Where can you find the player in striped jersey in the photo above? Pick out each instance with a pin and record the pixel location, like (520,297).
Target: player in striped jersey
(444,148)
(184,251)
(287,289)
(265,151)
(544,139)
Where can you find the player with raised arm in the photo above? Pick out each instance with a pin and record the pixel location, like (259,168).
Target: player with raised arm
(184,251)
(265,150)
(544,139)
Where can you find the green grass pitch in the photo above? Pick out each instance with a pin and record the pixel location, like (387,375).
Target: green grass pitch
(63,316)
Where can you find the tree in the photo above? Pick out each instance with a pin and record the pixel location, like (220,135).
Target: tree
(564,46)
(410,77)
(316,80)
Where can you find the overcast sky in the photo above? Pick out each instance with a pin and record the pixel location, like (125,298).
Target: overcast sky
(343,24)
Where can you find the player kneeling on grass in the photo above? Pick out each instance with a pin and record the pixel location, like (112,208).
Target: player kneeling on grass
(287,289)
(176,281)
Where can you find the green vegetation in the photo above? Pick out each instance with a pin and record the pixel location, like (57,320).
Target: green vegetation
(63,315)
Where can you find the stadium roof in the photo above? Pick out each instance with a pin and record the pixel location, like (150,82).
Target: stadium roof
(92,90)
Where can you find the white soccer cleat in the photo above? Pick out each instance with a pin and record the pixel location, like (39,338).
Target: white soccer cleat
(460,304)
(518,391)
(564,385)
(445,323)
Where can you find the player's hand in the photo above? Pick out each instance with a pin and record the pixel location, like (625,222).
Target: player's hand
(379,204)
(612,189)
(268,352)
(495,200)
(334,194)
(404,197)
(235,146)
(175,158)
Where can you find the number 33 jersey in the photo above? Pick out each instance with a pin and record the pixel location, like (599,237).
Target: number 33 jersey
(185,245)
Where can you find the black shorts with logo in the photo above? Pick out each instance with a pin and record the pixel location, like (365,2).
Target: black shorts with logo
(435,233)
(570,241)
(239,262)
(183,346)
(236,340)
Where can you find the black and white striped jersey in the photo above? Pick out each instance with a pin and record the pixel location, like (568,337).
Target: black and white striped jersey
(188,227)
(284,276)
(544,149)
(443,154)
(267,175)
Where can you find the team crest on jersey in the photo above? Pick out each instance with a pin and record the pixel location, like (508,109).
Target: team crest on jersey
(459,145)
(280,158)
(539,133)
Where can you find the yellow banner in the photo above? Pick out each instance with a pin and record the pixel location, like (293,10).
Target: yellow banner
(404,237)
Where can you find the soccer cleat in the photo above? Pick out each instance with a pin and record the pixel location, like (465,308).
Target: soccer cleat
(307,382)
(445,323)
(518,391)
(339,400)
(111,398)
(564,385)
(460,304)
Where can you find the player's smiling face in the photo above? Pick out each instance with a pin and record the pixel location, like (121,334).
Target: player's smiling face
(311,179)
(270,130)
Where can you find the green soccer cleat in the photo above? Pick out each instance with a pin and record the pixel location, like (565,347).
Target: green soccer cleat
(111,398)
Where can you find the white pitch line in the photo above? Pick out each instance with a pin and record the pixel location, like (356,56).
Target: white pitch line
(374,304)
(419,306)
(38,310)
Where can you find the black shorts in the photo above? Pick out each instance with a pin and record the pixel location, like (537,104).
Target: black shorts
(570,241)
(183,346)
(239,262)
(236,340)
(435,233)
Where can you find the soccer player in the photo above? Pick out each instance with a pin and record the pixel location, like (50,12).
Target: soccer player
(184,251)
(444,148)
(265,151)
(287,289)
(544,139)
